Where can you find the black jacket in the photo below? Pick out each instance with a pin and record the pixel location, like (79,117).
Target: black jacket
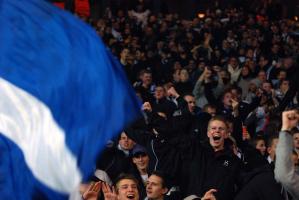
(161,150)
(260,185)
(164,105)
(199,125)
(213,170)
(114,162)
(293,74)
(191,123)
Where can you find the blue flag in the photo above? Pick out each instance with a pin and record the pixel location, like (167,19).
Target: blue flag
(63,95)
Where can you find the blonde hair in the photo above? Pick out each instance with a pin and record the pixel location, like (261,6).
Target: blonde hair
(219,118)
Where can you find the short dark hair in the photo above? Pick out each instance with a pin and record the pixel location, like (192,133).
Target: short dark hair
(281,70)
(294,130)
(269,82)
(123,176)
(145,71)
(165,181)
(219,118)
(119,135)
(237,88)
(253,141)
(188,94)
(161,86)
(271,139)
(228,90)
(281,82)
(207,106)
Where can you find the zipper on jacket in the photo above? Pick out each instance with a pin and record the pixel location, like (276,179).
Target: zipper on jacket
(157,161)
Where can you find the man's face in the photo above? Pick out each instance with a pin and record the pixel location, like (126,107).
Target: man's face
(154,188)
(285,85)
(227,99)
(146,78)
(267,87)
(262,76)
(287,63)
(236,95)
(159,92)
(148,31)
(176,75)
(217,132)
(184,75)
(263,61)
(211,111)
(141,161)
(252,87)
(201,65)
(223,74)
(296,140)
(233,62)
(225,44)
(191,103)
(125,142)
(282,75)
(127,190)
(125,54)
(272,149)
(245,71)
(249,53)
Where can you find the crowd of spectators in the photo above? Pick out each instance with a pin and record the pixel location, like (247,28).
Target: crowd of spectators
(213,89)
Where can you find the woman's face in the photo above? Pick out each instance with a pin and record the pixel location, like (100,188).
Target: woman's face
(184,75)
(261,146)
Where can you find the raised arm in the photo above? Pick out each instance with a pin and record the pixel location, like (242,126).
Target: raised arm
(284,166)
(198,90)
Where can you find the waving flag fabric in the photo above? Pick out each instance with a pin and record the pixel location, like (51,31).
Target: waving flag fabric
(63,95)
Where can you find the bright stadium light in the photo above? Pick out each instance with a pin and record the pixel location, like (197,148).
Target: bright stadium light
(201,15)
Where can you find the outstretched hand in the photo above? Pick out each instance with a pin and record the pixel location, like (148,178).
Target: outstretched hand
(93,191)
(109,192)
(209,195)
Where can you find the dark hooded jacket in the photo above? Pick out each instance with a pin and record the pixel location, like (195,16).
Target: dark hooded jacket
(259,184)
(213,170)
(161,146)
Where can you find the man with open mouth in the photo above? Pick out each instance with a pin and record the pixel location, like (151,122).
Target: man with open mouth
(213,165)
(126,188)
(217,132)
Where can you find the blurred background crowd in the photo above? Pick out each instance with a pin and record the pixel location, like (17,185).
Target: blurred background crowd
(194,63)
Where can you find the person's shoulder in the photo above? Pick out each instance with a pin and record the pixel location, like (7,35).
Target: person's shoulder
(229,155)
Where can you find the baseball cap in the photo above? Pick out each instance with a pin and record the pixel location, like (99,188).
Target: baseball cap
(138,149)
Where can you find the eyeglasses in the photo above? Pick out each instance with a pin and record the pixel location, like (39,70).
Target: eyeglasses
(217,128)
